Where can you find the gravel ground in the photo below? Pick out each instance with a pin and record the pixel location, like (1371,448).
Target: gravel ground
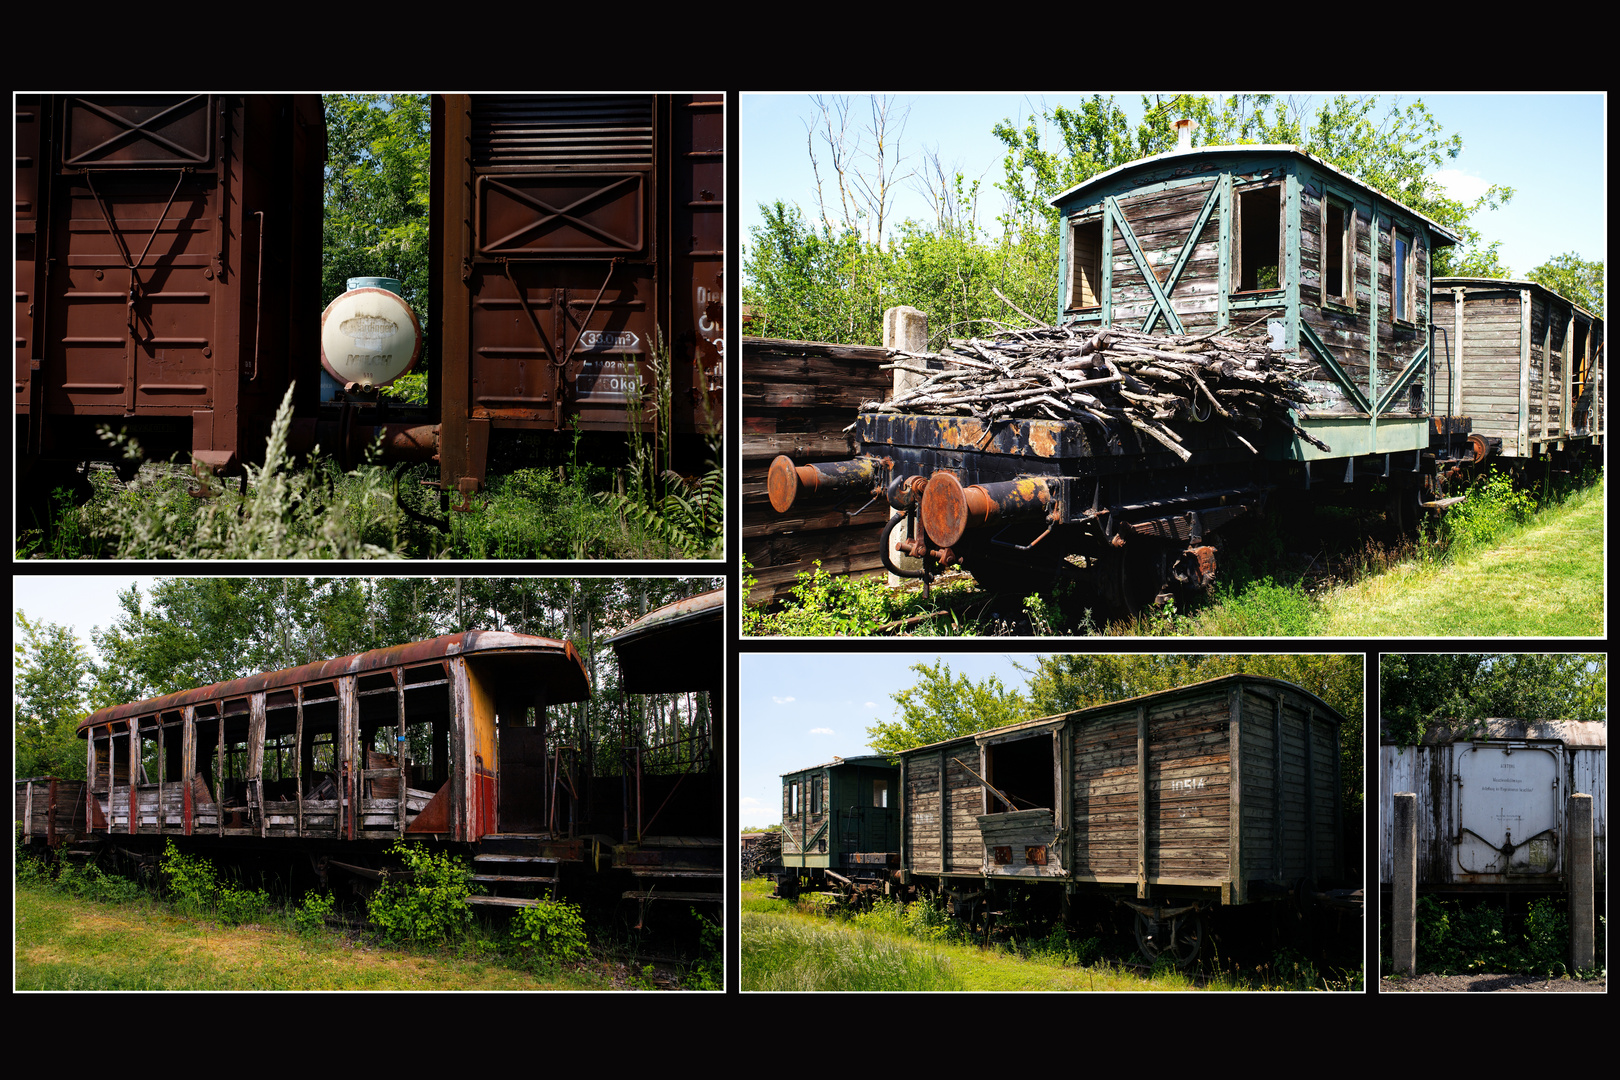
(1475,984)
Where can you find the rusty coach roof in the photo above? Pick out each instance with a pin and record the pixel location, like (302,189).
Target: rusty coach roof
(575,683)
(1281,684)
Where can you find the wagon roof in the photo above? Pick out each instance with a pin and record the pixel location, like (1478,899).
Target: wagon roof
(674,648)
(1190,688)
(562,666)
(1517,283)
(1568,732)
(1444,234)
(866,759)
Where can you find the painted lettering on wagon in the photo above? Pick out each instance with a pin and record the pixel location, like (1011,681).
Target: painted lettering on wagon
(1187,785)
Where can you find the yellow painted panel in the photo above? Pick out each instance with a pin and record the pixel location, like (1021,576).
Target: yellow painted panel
(482,709)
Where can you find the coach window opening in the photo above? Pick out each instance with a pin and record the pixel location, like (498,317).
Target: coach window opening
(1257,247)
(236,755)
(281,765)
(1021,769)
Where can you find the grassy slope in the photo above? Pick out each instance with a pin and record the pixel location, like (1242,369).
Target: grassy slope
(63,943)
(1543,579)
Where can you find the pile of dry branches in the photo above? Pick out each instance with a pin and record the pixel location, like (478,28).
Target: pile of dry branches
(1109,377)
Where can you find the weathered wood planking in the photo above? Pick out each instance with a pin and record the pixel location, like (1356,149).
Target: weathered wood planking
(798,396)
(1273,819)
(1523,363)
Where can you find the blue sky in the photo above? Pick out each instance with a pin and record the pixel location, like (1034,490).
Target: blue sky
(1550,147)
(801,709)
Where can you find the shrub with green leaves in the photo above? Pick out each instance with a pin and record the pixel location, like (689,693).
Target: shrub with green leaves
(192,881)
(428,907)
(1492,506)
(1546,938)
(549,930)
(310,916)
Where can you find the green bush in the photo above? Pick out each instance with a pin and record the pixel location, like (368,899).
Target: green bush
(310,916)
(550,930)
(1491,507)
(431,905)
(91,883)
(193,883)
(1546,934)
(238,904)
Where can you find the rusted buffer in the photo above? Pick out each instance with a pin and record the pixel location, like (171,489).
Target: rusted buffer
(1526,365)
(841,827)
(1219,794)
(1493,803)
(1264,241)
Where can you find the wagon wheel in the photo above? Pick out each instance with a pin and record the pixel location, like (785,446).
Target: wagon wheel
(1180,937)
(1129,580)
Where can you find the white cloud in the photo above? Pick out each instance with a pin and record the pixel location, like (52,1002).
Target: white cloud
(868,704)
(749,803)
(782,700)
(1459,185)
(822,731)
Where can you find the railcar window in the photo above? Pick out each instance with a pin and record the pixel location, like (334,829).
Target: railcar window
(815,794)
(1257,260)
(1401,286)
(880,793)
(1085,264)
(1022,771)
(793,798)
(1338,248)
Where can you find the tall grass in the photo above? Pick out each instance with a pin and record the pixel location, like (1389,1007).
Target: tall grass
(782,955)
(318,511)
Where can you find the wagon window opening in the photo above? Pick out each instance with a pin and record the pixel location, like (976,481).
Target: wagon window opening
(1337,241)
(793,797)
(150,766)
(880,793)
(1401,287)
(1022,771)
(205,721)
(234,773)
(1258,259)
(173,741)
(280,747)
(1085,264)
(815,795)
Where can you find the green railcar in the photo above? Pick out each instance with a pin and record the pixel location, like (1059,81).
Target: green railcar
(841,826)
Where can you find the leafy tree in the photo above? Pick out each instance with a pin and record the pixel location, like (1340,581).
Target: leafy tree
(943,705)
(1573,278)
(1419,689)
(378,182)
(1391,148)
(1068,682)
(51,676)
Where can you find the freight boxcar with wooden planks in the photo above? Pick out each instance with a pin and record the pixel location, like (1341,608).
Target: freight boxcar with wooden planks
(1222,793)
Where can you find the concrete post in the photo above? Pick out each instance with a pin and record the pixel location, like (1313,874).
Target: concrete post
(1581,909)
(1403,926)
(904,328)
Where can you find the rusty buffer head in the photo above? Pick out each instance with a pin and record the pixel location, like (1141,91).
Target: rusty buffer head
(782,483)
(949,509)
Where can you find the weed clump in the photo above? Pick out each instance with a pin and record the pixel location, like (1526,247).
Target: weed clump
(429,906)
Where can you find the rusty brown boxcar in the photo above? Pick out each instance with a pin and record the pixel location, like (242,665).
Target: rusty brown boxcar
(1221,793)
(168,270)
(579,245)
(1525,365)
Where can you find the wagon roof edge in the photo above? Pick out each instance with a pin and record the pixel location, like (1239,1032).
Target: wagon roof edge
(1073,713)
(415,652)
(864,758)
(1521,283)
(1584,733)
(1442,231)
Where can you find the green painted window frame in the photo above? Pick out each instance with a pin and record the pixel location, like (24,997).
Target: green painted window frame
(1088,222)
(1403,273)
(1238,260)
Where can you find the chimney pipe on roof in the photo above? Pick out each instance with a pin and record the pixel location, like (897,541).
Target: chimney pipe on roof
(1184,134)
